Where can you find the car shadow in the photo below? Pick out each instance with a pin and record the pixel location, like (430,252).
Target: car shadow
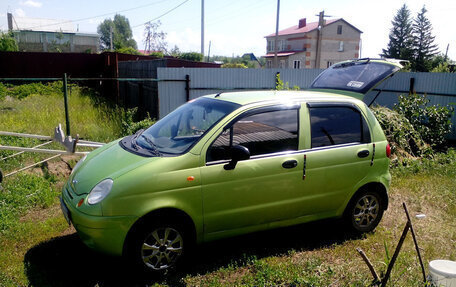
(66,261)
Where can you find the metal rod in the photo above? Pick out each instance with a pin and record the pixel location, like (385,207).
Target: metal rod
(369,264)
(30,166)
(89,145)
(396,254)
(90,142)
(18,153)
(25,135)
(28,149)
(65,99)
(415,241)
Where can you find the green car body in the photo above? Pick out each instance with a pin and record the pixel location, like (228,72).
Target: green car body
(214,200)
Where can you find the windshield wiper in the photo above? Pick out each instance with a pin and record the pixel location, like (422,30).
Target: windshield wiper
(153,147)
(133,140)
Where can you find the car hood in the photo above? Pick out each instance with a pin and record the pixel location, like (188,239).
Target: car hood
(355,77)
(109,161)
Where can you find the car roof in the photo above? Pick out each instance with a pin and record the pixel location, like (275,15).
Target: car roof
(258,97)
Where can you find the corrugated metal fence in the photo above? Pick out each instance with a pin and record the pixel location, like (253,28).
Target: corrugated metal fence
(440,87)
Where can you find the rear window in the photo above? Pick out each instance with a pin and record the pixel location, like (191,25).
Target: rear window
(357,76)
(337,125)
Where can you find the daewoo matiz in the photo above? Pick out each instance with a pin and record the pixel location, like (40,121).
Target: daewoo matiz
(233,163)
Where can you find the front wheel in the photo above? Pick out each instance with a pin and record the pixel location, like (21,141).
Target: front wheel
(157,248)
(365,211)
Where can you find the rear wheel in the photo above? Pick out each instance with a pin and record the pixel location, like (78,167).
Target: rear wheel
(365,211)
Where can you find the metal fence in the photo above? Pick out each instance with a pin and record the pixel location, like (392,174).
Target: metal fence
(440,87)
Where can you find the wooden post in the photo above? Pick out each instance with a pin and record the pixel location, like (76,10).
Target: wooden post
(369,264)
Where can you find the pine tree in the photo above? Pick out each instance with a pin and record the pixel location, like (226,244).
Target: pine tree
(400,44)
(424,47)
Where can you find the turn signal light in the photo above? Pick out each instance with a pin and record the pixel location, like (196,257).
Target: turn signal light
(80,202)
(388,150)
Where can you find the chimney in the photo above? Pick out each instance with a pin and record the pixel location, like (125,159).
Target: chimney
(10,22)
(302,23)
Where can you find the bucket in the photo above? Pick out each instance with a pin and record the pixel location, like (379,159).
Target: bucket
(443,273)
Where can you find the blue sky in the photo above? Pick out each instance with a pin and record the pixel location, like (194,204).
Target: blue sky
(235,27)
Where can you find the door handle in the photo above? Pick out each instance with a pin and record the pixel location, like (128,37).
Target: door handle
(363,153)
(290,164)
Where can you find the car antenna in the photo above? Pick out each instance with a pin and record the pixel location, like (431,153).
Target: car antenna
(218,95)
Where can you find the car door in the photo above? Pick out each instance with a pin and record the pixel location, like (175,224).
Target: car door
(261,189)
(339,156)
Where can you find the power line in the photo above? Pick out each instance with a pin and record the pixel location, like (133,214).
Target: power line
(166,13)
(101,15)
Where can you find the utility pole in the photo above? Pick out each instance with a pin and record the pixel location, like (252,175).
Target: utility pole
(209,52)
(321,23)
(202,27)
(110,38)
(446,53)
(276,65)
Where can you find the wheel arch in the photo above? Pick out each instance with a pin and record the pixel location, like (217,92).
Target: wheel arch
(167,214)
(377,186)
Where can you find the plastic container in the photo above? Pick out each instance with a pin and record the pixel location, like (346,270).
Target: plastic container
(443,273)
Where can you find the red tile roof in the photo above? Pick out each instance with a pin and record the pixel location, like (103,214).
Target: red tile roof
(296,30)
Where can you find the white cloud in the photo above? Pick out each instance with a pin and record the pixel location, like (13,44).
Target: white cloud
(31,3)
(19,12)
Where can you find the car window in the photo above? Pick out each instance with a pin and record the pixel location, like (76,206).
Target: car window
(337,125)
(262,133)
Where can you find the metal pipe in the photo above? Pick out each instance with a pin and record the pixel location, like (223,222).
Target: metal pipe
(51,151)
(16,154)
(25,135)
(89,145)
(65,99)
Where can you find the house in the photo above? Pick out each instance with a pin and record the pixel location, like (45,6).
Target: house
(50,35)
(298,45)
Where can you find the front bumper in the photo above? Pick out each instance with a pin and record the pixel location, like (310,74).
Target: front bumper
(102,233)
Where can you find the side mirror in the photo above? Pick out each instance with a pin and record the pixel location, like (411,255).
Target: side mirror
(238,153)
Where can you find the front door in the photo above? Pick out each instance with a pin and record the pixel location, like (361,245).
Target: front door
(261,189)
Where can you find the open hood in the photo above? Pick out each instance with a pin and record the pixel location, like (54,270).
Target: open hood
(356,77)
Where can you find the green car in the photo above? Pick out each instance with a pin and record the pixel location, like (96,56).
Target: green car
(233,163)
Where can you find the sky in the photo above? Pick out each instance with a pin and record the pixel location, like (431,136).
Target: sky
(235,27)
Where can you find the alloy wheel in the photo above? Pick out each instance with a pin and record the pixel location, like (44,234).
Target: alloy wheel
(162,248)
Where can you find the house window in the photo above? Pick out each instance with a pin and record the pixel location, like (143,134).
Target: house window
(270,46)
(282,64)
(297,64)
(341,46)
(269,64)
(339,29)
(329,64)
(282,45)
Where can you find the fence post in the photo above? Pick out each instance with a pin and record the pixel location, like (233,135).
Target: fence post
(412,86)
(187,87)
(65,97)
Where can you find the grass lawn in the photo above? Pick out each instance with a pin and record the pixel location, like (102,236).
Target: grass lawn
(38,248)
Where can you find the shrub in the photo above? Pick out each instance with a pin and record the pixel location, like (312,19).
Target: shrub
(130,126)
(3,91)
(281,86)
(433,123)
(235,65)
(25,90)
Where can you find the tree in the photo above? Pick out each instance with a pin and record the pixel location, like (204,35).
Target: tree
(400,44)
(8,43)
(191,56)
(154,40)
(122,36)
(424,48)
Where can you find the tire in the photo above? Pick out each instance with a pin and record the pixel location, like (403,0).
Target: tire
(158,247)
(364,211)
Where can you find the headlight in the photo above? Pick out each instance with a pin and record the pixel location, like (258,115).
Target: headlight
(100,191)
(78,164)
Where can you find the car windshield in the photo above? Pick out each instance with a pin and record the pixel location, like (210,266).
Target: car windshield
(182,128)
(356,76)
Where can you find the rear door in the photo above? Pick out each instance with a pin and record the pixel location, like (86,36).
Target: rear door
(339,156)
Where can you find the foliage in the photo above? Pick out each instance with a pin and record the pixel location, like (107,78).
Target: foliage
(433,123)
(156,54)
(3,92)
(245,60)
(128,50)
(442,68)
(234,65)
(191,56)
(400,45)
(8,43)
(122,35)
(281,86)
(154,40)
(404,140)
(26,90)
(423,46)
(130,126)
